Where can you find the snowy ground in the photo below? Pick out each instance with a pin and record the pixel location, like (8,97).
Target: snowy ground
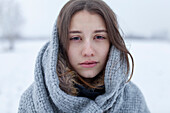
(152,70)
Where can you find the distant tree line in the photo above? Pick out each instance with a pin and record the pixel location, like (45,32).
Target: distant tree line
(162,35)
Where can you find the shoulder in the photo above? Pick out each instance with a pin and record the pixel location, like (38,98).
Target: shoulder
(26,101)
(134,98)
(131,90)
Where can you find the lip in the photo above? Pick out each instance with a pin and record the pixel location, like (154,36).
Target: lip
(88,64)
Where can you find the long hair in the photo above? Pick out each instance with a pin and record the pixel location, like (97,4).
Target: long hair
(98,7)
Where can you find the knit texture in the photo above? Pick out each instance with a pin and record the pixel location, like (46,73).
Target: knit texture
(45,96)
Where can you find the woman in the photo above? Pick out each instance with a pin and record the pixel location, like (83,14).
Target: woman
(85,67)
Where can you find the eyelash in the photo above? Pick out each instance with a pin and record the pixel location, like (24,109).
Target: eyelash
(75,38)
(101,37)
(96,37)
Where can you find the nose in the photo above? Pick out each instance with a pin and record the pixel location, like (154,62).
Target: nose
(88,50)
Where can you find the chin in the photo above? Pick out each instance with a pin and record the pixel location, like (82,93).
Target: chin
(87,75)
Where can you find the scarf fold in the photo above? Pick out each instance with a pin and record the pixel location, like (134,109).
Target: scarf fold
(45,95)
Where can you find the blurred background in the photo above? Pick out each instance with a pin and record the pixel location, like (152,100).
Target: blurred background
(26,25)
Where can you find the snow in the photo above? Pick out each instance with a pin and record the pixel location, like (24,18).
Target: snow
(151,75)
(152,70)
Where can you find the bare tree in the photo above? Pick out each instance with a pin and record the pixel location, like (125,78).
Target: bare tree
(10,21)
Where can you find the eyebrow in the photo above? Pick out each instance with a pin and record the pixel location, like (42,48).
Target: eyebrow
(96,31)
(75,32)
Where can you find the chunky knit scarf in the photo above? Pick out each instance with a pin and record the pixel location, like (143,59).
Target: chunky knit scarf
(45,95)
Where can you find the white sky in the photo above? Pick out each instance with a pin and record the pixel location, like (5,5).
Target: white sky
(139,17)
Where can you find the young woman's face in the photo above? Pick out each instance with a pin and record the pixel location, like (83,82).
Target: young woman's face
(88,44)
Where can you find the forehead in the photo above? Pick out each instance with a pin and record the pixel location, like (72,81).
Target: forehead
(85,19)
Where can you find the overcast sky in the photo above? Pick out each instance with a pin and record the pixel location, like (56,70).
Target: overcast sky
(138,17)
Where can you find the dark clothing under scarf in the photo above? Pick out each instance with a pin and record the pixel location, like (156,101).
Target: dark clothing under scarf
(89,93)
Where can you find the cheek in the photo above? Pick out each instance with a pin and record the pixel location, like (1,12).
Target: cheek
(104,51)
(105,55)
(72,55)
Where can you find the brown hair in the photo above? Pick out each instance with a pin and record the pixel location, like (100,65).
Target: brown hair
(92,6)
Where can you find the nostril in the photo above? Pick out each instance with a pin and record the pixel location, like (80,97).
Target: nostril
(88,51)
(88,54)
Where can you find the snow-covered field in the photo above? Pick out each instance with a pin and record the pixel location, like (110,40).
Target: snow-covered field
(152,73)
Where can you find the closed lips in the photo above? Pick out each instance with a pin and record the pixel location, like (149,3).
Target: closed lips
(88,62)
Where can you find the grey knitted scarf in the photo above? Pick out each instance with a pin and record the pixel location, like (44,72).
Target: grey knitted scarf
(45,96)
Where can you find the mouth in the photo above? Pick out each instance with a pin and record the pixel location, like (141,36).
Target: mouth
(88,64)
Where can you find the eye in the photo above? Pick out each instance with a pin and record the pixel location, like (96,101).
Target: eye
(75,38)
(99,37)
